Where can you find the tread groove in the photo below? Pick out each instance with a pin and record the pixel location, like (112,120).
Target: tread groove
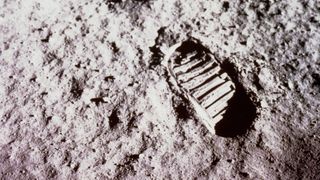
(205,82)
(206,70)
(210,90)
(225,94)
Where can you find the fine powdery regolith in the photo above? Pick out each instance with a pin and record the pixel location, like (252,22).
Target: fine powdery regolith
(86,90)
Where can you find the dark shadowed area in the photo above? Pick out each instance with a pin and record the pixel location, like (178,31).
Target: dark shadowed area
(241,111)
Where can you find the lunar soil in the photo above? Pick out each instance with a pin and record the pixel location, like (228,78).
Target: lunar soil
(85,93)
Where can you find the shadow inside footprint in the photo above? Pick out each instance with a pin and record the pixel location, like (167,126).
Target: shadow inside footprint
(241,111)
